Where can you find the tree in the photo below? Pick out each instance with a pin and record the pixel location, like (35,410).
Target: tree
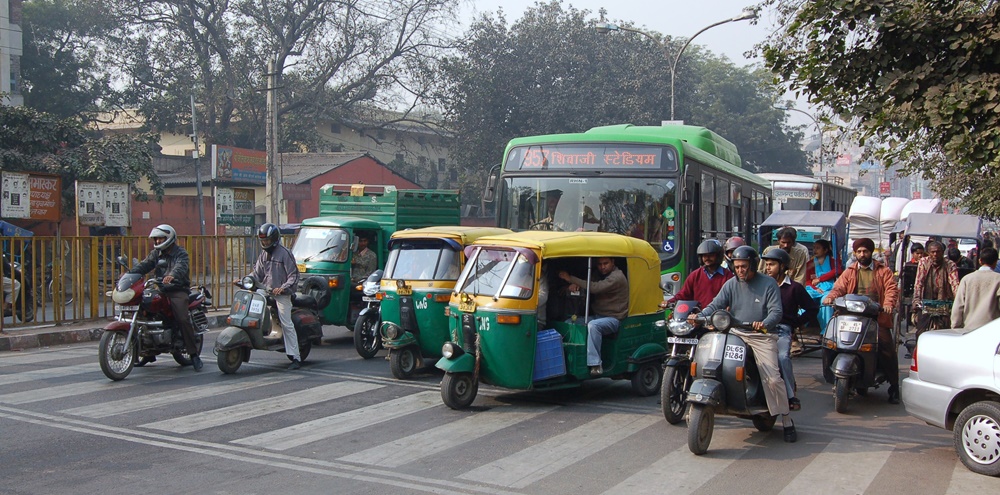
(552,72)
(920,79)
(40,142)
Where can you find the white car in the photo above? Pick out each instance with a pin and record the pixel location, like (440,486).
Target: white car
(966,245)
(954,383)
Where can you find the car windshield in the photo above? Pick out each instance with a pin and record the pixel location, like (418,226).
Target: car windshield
(486,274)
(422,260)
(321,244)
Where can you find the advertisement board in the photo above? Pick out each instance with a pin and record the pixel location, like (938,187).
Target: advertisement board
(31,196)
(103,204)
(234,210)
(230,163)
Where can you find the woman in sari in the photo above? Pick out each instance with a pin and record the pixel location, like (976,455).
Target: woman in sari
(821,273)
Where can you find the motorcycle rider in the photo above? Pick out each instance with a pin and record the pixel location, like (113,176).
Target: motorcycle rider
(875,280)
(704,283)
(275,267)
(756,298)
(794,299)
(176,282)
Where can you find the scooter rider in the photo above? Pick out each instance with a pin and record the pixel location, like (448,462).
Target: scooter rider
(755,298)
(275,268)
(704,283)
(794,299)
(176,282)
(873,279)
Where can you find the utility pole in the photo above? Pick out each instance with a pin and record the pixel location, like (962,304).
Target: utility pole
(271,189)
(197,165)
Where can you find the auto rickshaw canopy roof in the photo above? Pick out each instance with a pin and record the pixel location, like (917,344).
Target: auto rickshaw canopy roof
(944,225)
(643,263)
(461,234)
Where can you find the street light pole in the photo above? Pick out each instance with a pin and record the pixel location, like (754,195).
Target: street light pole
(605,27)
(819,128)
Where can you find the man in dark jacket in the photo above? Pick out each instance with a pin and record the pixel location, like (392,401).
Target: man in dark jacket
(176,282)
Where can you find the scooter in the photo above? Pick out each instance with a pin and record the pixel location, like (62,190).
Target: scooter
(683,340)
(726,382)
(24,304)
(850,348)
(146,326)
(366,338)
(253,322)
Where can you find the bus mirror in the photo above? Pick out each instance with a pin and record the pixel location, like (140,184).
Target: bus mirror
(688,191)
(491,183)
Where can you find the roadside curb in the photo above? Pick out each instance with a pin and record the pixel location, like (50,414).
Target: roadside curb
(16,340)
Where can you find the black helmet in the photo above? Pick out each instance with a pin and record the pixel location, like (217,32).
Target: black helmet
(747,253)
(269,236)
(778,255)
(709,246)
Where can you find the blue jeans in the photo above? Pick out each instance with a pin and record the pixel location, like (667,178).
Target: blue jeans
(785,357)
(597,328)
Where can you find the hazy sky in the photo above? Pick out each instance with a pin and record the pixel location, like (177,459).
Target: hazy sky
(680,18)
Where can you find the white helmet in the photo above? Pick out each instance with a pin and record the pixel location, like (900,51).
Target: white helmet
(163,231)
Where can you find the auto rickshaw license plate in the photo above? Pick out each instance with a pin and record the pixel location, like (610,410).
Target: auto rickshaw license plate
(404,291)
(301,267)
(681,340)
(467,306)
(735,353)
(849,326)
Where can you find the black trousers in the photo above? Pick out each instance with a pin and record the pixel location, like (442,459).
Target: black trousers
(179,306)
(888,358)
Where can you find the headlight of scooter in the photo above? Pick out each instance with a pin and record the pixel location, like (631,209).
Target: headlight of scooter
(722,320)
(247,283)
(855,306)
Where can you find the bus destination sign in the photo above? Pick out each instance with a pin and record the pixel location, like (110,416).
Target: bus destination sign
(592,157)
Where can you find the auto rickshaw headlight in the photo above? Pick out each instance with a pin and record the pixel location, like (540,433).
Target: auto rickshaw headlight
(451,350)
(392,331)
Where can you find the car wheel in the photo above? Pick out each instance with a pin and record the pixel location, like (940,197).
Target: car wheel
(977,437)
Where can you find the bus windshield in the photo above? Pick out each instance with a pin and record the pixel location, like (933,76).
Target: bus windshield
(499,272)
(644,208)
(321,244)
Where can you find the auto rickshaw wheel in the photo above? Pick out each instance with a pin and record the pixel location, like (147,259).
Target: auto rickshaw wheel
(458,390)
(701,425)
(646,379)
(403,362)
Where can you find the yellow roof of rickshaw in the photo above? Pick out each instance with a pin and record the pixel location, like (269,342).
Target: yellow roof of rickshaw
(462,233)
(565,244)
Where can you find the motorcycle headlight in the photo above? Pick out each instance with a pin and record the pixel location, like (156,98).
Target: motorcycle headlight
(451,350)
(681,327)
(855,306)
(123,297)
(371,288)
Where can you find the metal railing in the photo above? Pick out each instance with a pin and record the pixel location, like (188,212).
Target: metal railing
(70,278)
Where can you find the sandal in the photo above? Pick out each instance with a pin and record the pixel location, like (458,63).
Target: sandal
(794,404)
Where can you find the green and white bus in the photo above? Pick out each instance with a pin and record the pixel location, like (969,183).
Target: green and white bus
(672,185)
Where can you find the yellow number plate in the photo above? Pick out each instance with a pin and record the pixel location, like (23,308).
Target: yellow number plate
(468,306)
(404,291)
(301,267)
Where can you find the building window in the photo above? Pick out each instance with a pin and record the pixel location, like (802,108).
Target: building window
(399,157)
(454,174)
(441,165)
(335,128)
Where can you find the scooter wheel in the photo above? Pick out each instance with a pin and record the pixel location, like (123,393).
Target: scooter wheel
(701,425)
(230,361)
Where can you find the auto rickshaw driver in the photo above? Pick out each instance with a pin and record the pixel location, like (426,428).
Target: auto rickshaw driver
(609,306)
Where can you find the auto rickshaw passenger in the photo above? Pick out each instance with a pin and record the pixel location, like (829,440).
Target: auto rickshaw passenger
(798,253)
(609,306)
(916,253)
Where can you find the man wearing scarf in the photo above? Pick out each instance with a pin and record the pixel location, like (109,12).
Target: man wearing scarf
(937,278)
(870,278)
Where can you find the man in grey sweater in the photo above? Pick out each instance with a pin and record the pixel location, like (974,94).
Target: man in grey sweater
(609,306)
(977,301)
(753,297)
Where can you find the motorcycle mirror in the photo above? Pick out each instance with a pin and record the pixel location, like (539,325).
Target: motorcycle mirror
(123,261)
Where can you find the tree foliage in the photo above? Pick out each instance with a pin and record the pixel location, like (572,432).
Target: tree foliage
(40,142)
(552,72)
(920,77)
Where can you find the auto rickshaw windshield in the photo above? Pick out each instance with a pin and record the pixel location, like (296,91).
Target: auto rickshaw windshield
(321,244)
(423,260)
(500,273)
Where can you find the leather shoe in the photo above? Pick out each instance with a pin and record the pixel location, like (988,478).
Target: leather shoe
(790,435)
(596,370)
(296,364)
(894,395)
(196,363)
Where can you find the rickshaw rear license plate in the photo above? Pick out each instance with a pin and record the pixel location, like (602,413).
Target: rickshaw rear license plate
(404,291)
(301,267)
(681,340)
(849,326)
(735,353)
(467,306)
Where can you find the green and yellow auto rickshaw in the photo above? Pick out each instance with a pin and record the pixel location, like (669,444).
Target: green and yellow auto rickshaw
(514,324)
(416,286)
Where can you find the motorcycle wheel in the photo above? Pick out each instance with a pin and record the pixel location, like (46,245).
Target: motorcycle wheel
(366,338)
(673,394)
(402,362)
(231,360)
(764,423)
(116,361)
(458,390)
(841,393)
(26,312)
(185,360)
(701,425)
(646,379)
(977,437)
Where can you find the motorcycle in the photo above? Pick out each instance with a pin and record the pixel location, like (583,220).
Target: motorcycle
(726,382)
(682,341)
(850,348)
(146,326)
(24,304)
(366,338)
(253,322)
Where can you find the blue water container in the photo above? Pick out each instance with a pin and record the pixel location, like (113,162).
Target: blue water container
(549,360)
